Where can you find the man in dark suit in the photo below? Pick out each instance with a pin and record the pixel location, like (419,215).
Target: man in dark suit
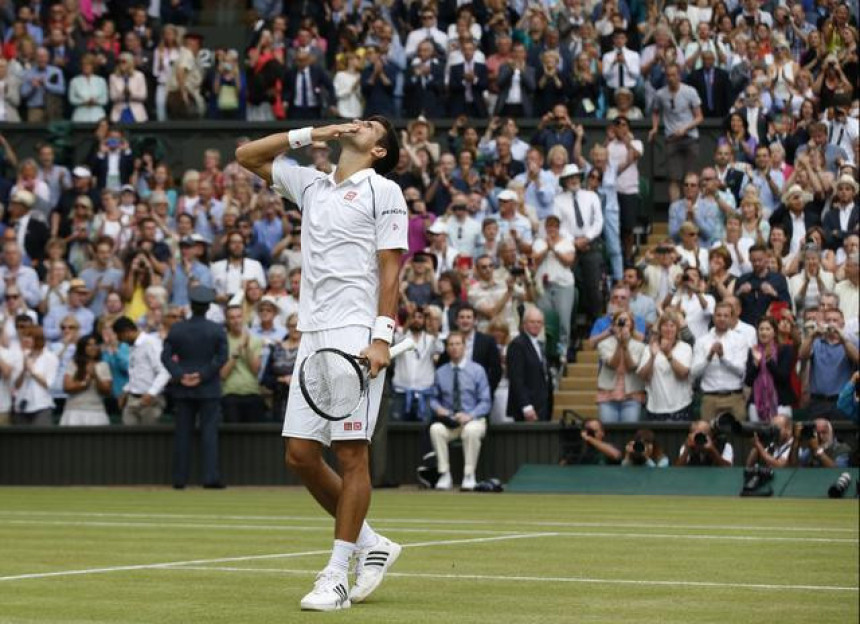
(424,88)
(308,90)
(194,352)
(530,391)
(516,72)
(796,204)
(713,86)
(842,219)
(467,82)
(480,348)
(754,114)
(377,83)
(114,154)
(22,218)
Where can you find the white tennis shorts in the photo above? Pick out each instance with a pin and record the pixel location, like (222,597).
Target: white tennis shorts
(301,421)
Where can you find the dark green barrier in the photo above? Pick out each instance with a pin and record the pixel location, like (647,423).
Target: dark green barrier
(788,483)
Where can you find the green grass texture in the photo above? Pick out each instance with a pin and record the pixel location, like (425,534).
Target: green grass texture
(249,554)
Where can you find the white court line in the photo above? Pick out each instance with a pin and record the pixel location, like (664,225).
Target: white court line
(168,564)
(545,579)
(430,521)
(572,534)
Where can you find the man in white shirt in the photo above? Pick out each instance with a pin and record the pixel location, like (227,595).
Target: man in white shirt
(415,374)
(746,331)
(621,65)
(142,399)
(230,275)
(512,224)
(581,219)
(842,131)
(719,359)
(428,30)
(11,365)
(464,232)
(624,153)
(446,256)
(697,306)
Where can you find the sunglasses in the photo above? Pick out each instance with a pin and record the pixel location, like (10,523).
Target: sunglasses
(485,266)
(65,327)
(13,296)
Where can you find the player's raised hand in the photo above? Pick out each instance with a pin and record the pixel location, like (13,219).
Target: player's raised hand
(335,131)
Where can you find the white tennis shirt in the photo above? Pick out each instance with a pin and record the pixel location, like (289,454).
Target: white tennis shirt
(343,227)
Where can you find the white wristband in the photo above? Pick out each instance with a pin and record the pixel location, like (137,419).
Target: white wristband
(383,329)
(300,138)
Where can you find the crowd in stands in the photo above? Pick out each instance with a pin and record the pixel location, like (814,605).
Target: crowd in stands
(522,246)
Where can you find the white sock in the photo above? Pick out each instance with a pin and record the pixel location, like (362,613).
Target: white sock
(340,555)
(367,537)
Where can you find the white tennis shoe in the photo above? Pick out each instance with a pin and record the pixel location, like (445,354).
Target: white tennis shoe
(370,567)
(445,482)
(330,592)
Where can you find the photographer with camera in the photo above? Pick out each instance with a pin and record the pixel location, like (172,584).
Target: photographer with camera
(815,446)
(772,444)
(833,357)
(620,356)
(644,450)
(596,451)
(702,448)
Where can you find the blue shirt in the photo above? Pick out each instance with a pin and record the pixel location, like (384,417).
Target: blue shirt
(601,324)
(52,321)
(269,233)
(831,369)
(474,389)
(541,198)
(118,363)
(111,279)
(52,82)
(179,291)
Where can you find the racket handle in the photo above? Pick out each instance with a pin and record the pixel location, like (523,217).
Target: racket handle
(407,344)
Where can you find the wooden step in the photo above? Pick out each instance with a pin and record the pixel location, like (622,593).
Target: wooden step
(587,357)
(575,397)
(566,384)
(582,371)
(585,411)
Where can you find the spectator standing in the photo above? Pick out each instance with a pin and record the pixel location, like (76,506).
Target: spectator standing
(516,83)
(680,108)
(88,93)
(719,360)
(620,391)
(280,367)
(530,383)
(42,89)
(843,218)
(128,92)
(184,100)
(194,352)
(621,65)
(142,400)
(101,276)
(581,220)
(690,297)
(624,154)
(757,290)
(378,80)
(74,307)
(57,177)
(13,272)
(229,275)
(554,256)
(33,402)
(641,305)
(768,374)
(807,286)
(464,232)
(712,84)
(461,406)
(240,401)
(414,375)
(86,382)
(114,162)
(347,88)
(666,372)
(467,82)
(540,184)
(847,289)
(833,358)
(164,58)
(10,93)
(31,232)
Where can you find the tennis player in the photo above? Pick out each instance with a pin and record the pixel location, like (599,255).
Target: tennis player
(354,230)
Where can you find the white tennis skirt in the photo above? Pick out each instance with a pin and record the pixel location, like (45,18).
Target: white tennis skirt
(301,421)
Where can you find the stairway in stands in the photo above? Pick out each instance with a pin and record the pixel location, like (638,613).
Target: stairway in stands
(577,390)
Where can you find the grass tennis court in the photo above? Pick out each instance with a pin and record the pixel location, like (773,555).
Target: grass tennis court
(248,555)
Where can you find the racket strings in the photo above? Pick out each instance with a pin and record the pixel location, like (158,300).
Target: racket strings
(333,384)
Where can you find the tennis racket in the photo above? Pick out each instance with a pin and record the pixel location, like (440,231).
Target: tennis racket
(334,382)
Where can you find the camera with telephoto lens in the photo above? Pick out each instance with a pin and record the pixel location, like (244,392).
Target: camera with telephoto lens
(837,490)
(517,271)
(756,480)
(638,447)
(807,431)
(570,438)
(726,424)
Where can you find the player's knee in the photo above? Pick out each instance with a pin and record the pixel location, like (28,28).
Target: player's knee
(302,455)
(351,456)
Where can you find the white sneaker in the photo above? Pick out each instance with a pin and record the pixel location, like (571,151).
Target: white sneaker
(469,482)
(445,482)
(370,567)
(330,592)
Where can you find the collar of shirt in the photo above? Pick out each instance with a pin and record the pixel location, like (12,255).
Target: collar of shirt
(355,178)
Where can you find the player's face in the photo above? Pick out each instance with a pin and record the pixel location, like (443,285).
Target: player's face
(369,134)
